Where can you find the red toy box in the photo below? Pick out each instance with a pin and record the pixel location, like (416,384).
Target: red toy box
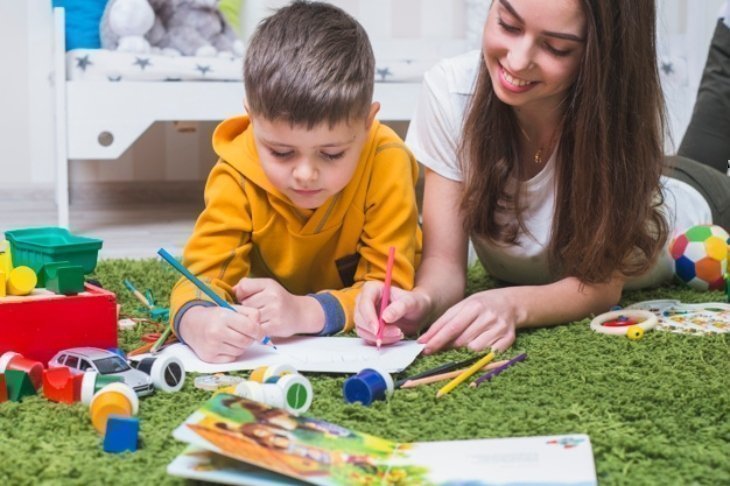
(39,325)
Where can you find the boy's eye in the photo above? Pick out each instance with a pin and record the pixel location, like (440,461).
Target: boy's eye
(280,155)
(508,28)
(336,156)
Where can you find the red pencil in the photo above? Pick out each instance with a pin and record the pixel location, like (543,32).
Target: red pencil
(385,298)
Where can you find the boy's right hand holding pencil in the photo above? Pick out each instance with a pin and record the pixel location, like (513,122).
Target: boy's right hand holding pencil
(218,335)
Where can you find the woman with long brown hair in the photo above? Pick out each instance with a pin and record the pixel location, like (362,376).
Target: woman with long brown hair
(546,149)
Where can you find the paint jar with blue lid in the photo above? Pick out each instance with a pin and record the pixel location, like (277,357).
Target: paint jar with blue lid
(368,385)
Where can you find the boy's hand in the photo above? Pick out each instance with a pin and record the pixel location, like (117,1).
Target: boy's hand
(218,335)
(405,313)
(281,313)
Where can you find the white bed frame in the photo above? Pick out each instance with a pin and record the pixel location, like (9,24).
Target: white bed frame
(100,120)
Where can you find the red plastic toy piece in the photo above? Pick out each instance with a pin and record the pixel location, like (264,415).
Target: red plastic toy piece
(58,385)
(78,380)
(15,361)
(620,322)
(3,389)
(39,326)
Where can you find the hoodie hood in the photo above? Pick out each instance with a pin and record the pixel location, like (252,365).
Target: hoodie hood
(233,142)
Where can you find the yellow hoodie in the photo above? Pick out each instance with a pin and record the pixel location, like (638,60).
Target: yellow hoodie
(249,228)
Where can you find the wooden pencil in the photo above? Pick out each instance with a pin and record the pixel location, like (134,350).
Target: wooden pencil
(445,376)
(491,374)
(465,375)
(443,368)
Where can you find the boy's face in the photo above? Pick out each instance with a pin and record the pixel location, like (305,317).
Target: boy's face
(309,166)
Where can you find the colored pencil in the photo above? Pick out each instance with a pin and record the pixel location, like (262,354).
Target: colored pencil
(465,375)
(450,366)
(163,337)
(385,298)
(491,374)
(201,285)
(446,376)
(141,350)
(137,294)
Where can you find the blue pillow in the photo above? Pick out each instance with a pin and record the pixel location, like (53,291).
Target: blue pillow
(82,22)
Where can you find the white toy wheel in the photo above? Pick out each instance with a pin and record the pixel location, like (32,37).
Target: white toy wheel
(645,320)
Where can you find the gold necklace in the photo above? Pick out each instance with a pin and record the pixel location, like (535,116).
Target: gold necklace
(537,158)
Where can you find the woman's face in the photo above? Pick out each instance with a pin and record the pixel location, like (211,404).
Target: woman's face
(532,49)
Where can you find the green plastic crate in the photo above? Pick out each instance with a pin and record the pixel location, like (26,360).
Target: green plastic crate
(34,247)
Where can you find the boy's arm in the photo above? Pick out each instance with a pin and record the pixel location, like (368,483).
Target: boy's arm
(218,250)
(391,219)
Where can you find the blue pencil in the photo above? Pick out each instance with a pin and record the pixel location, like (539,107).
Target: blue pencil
(201,285)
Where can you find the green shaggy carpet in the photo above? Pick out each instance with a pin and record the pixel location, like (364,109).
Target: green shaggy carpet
(656,410)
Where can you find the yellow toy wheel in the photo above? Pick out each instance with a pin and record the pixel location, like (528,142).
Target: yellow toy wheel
(635,333)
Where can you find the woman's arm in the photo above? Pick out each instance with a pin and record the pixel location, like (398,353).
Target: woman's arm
(441,277)
(489,319)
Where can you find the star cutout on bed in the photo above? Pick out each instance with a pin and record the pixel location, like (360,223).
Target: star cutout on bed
(83,62)
(114,79)
(203,69)
(142,62)
(667,67)
(383,73)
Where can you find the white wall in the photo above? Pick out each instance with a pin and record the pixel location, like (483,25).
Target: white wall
(26,124)
(165,154)
(684,32)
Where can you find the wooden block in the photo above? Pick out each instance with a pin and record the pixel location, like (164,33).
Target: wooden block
(19,385)
(3,283)
(58,385)
(63,278)
(39,326)
(122,434)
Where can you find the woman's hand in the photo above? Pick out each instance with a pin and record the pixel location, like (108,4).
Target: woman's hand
(484,320)
(405,315)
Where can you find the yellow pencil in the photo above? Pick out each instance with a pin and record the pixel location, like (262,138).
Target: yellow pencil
(466,374)
(447,376)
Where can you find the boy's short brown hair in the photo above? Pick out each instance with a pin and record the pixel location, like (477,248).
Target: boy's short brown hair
(308,63)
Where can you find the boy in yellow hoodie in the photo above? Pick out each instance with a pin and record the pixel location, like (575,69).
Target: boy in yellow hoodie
(308,194)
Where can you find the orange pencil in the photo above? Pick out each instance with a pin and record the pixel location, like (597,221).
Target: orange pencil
(385,298)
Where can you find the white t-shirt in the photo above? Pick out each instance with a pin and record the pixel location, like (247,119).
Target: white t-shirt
(434,136)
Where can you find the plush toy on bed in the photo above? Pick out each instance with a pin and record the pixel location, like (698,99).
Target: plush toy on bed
(187,27)
(130,26)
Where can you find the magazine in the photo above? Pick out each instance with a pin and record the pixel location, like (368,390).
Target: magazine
(230,434)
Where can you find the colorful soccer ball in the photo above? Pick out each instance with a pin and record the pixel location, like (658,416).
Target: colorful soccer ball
(701,257)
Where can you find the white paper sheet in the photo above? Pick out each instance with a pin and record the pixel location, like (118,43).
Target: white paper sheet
(317,354)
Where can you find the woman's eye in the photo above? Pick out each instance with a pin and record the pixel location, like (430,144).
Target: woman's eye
(557,52)
(509,28)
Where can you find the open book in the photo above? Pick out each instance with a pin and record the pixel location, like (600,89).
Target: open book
(232,434)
